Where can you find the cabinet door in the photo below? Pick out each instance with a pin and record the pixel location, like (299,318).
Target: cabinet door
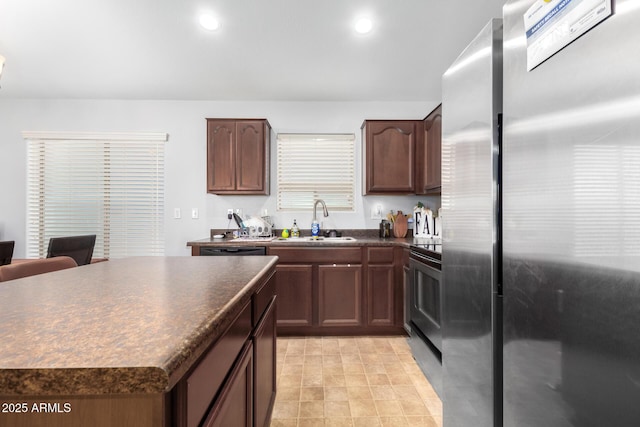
(294,290)
(251,150)
(221,173)
(264,363)
(380,294)
(390,156)
(340,295)
(431,156)
(234,405)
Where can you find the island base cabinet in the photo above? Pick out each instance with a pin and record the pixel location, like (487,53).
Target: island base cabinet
(80,411)
(234,406)
(264,363)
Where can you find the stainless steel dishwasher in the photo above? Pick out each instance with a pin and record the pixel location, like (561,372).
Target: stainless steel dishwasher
(233,250)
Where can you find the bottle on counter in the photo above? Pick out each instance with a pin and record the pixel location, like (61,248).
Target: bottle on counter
(295,231)
(315,228)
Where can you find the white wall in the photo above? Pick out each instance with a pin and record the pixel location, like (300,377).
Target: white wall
(185,168)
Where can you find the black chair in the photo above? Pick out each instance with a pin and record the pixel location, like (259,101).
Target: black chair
(6,251)
(80,248)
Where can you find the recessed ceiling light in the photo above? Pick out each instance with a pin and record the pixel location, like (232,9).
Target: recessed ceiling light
(363,25)
(209,22)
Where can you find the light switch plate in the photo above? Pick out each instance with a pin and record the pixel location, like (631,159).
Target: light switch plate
(194,213)
(176,213)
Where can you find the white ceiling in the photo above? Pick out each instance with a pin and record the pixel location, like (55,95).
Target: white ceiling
(288,50)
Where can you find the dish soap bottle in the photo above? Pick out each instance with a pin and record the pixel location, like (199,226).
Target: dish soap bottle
(295,231)
(315,228)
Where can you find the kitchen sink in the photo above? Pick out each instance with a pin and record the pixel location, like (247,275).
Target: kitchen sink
(317,239)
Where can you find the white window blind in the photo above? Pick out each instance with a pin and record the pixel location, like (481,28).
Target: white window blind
(110,185)
(316,166)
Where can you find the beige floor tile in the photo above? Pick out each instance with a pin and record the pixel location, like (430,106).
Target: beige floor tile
(332,370)
(288,393)
(311,422)
(286,409)
(378,379)
(336,393)
(288,422)
(421,421)
(414,407)
(383,392)
(366,422)
(336,409)
(338,422)
(312,380)
(353,368)
(314,409)
(356,380)
(334,380)
(363,408)
(400,379)
(393,421)
(434,406)
(388,408)
(363,381)
(406,392)
(311,393)
(290,380)
(359,392)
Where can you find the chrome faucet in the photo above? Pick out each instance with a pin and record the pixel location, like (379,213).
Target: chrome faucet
(324,209)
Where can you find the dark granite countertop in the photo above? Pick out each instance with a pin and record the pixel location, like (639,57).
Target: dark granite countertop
(131,325)
(364,237)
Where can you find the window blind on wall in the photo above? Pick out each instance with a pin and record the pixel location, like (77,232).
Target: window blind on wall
(316,166)
(110,185)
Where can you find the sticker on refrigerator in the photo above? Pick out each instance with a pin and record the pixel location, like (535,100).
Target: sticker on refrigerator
(550,25)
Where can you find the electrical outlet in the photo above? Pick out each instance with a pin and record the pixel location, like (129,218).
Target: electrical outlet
(229,213)
(376,212)
(176,213)
(194,213)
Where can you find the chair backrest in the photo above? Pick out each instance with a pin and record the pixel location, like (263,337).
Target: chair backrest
(6,251)
(35,266)
(80,248)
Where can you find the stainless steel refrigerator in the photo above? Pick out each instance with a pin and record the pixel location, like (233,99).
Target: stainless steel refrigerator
(541,239)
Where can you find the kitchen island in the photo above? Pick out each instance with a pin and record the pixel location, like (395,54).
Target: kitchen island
(150,341)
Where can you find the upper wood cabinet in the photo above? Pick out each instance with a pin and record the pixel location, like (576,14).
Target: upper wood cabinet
(429,169)
(238,156)
(389,153)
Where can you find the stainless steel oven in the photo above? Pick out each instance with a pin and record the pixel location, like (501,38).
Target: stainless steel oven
(425,310)
(426,295)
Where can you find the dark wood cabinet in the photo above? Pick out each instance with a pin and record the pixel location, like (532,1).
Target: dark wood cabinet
(264,367)
(234,382)
(429,155)
(340,295)
(381,284)
(389,152)
(238,156)
(294,287)
(337,291)
(234,406)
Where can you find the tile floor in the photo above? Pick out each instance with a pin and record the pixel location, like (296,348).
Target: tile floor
(360,381)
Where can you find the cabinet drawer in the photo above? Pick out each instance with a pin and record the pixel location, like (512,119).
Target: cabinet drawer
(208,376)
(318,255)
(380,255)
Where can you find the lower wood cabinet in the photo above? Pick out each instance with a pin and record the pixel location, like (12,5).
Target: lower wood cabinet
(234,382)
(338,290)
(340,295)
(234,406)
(264,366)
(294,287)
